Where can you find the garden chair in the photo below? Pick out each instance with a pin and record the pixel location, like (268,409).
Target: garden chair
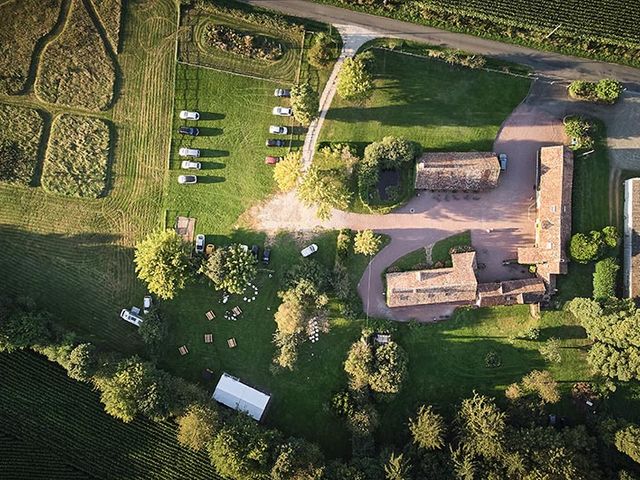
(183,350)
(208,338)
(210,315)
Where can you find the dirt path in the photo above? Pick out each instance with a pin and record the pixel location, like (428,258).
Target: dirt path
(352,39)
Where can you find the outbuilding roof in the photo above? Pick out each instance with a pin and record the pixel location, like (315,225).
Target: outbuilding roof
(510,292)
(442,285)
(632,238)
(231,392)
(457,171)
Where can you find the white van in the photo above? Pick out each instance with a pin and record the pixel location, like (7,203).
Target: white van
(130,317)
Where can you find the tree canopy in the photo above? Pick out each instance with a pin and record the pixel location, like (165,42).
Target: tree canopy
(367,243)
(355,82)
(305,103)
(197,426)
(427,428)
(230,268)
(323,191)
(162,261)
(287,172)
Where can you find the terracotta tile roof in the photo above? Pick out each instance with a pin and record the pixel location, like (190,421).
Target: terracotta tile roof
(442,285)
(632,237)
(528,290)
(457,171)
(553,213)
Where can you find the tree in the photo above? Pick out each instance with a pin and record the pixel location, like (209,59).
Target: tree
(305,103)
(230,268)
(582,89)
(324,191)
(290,316)
(397,468)
(287,172)
(543,384)
(355,83)
(135,387)
(367,243)
(320,54)
(579,130)
(427,429)
(359,364)
(627,441)
(153,330)
(584,247)
(605,278)
(482,426)
(24,330)
(390,368)
(241,450)
(162,261)
(390,153)
(82,362)
(611,236)
(550,351)
(197,426)
(298,460)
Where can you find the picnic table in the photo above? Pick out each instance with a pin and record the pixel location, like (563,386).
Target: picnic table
(210,315)
(183,350)
(231,342)
(208,338)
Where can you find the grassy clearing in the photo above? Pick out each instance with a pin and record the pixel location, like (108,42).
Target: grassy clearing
(439,106)
(411,261)
(109,13)
(24,23)
(22,129)
(76,69)
(77,160)
(590,211)
(57,416)
(446,360)
(440,252)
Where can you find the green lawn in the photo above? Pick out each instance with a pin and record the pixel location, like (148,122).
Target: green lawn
(439,106)
(440,251)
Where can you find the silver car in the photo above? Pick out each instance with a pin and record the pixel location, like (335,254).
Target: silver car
(189,165)
(278,130)
(282,111)
(187,179)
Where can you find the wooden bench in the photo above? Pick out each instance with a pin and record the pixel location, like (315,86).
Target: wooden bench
(208,338)
(236,311)
(183,350)
(232,343)
(210,315)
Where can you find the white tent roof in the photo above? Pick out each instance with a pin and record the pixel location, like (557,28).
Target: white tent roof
(234,394)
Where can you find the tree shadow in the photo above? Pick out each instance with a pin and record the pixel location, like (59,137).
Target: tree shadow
(213,153)
(563,332)
(213,165)
(212,116)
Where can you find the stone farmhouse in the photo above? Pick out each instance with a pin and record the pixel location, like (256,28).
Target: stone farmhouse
(457,171)
(458,284)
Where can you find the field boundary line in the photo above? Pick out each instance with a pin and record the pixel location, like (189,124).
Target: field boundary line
(304,34)
(232,73)
(486,69)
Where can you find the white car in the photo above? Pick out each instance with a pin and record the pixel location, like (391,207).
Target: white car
(200,239)
(189,165)
(278,130)
(189,152)
(282,111)
(130,317)
(187,115)
(310,250)
(187,179)
(147,303)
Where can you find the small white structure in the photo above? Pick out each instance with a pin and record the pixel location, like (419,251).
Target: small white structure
(130,317)
(231,392)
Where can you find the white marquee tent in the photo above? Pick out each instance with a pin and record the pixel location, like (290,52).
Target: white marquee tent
(231,392)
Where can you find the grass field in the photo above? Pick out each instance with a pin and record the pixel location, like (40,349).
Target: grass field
(22,127)
(54,416)
(77,68)
(37,19)
(77,160)
(439,106)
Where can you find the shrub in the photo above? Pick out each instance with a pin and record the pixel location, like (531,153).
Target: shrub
(579,130)
(287,172)
(343,242)
(492,360)
(320,54)
(230,268)
(390,152)
(305,103)
(532,333)
(543,384)
(76,69)
(240,43)
(584,247)
(583,90)
(608,90)
(627,441)
(77,159)
(610,236)
(605,278)
(550,351)
(367,243)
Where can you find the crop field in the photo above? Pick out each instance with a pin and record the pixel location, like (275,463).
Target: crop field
(77,158)
(439,106)
(20,129)
(109,13)
(37,18)
(77,68)
(607,30)
(54,416)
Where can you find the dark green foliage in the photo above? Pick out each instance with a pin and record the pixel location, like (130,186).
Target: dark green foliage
(315,273)
(586,247)
(605,278)
(198,425)
(23,329)
(428,428)
(355,82)
(242,43)
(390,153)
(492,360)
(579,131)
(305,103)
(298,460)
(82,362)
(153,331)
(242,450)
(320,54)
(482,427)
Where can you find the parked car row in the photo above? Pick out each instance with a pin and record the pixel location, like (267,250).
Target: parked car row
(186,152)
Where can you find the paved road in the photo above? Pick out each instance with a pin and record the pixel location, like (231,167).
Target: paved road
(551,65)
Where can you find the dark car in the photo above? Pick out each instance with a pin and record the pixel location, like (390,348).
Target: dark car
(193,131)
(275,142)
(266,256)
(255,251)
(282,92)
(272,160)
